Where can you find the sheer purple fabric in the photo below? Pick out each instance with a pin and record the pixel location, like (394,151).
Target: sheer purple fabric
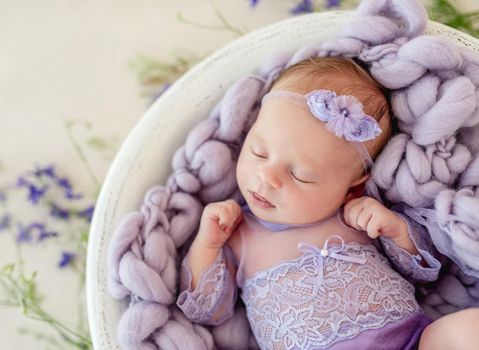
(317,296)
(431,164)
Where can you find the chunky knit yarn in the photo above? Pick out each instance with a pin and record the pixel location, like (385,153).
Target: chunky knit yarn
(432,165)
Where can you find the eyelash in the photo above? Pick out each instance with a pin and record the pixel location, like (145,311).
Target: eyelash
(302,181)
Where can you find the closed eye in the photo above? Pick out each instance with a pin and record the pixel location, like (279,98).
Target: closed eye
(258,155)
(292,174)
(303,181)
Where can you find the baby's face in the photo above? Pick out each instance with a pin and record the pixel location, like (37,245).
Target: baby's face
(292,160)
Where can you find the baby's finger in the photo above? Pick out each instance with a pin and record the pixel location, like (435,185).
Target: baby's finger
(237,221)
(373,229)
(356,202)
(233,221)
(224,216)
(352,216)
(364,218)
(235,208)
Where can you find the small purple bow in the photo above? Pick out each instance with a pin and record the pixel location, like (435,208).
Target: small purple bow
(344,115)
(329,252)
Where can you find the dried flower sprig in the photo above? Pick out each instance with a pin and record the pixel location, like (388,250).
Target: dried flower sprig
(155,76)
(21,292)
(62,217)
(224,26)
(445,12)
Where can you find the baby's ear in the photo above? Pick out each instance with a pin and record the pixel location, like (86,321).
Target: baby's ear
(354,192)
(357,188)
(361,180)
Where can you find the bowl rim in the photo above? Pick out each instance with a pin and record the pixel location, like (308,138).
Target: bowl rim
(99,301)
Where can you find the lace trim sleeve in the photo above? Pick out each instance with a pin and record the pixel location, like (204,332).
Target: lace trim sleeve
(213,299)
(408,265)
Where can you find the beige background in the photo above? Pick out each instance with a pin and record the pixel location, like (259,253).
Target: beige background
(69,59)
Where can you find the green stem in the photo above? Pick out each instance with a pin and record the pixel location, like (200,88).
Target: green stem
(35,312)
(225,24)
(25,296)
(7,303)
(82,156)
(18,249)
(472,14)
(51,340)
(42,315)
(444,12)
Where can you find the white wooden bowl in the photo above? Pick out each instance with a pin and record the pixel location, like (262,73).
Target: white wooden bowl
(145,156)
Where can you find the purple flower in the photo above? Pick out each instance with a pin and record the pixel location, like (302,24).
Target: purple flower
(64,182)
(58,212)
(44,234)
(5,222)
(22,182)
(305,6)
(24,234)
(34,193)
(365,129)
(253,3)
(87,213)
(319,102)
(40,173)
(332,3)
(66,185)
(344,115)
(65,259)
(48,171)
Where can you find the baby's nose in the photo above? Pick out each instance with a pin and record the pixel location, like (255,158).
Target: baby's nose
(270,177)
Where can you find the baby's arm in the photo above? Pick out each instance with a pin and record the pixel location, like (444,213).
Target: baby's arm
(211,300)
(406,242)
(207,282)
(412,251)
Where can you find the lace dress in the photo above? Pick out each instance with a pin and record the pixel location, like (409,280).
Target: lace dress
(337,290)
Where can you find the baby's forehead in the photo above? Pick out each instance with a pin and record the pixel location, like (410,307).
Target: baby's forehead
(294,130)
(342,81)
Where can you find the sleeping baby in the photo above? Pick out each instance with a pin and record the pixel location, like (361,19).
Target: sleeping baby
(318,265)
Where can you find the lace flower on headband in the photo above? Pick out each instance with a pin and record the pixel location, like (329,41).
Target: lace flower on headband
(344,115)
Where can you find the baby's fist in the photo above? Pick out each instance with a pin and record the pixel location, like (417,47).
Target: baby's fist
(218,222)
(367,214)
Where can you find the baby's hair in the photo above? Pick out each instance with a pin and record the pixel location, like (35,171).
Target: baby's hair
(344,76)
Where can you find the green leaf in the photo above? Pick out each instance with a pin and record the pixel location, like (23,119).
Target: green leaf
(8,269)
(98,143)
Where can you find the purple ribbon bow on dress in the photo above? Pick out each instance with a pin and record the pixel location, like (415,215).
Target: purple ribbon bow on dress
(329,252)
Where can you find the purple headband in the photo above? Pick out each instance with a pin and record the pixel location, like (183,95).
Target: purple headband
(344,116)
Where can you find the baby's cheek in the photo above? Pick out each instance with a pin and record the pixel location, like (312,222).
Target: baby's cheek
(315,205)
(241,175)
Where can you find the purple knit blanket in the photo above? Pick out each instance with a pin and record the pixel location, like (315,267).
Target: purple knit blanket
(431,164)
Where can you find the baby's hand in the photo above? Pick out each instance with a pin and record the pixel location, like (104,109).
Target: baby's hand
(218,222)
(367,214)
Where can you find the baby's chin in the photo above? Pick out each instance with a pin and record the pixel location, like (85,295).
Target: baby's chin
(278,216)
(273,215)
(267,214)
